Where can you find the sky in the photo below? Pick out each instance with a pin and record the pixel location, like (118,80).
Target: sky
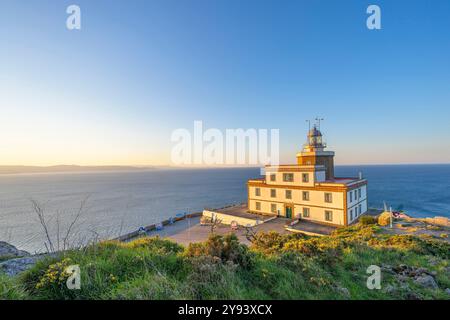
(113,92)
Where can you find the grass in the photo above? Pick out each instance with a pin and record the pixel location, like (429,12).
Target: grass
(273,267)
(11,289)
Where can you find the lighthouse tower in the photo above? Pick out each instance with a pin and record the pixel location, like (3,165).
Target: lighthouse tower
(314,154)
(308,190)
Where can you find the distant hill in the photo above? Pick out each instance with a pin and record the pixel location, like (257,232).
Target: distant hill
(66,168)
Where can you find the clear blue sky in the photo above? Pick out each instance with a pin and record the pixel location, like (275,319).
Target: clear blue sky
(113,92)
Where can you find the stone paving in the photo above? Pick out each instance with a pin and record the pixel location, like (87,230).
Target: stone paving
(190,230)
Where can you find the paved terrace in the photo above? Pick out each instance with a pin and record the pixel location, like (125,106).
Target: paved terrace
(311,228)
(241,212)
(190,230)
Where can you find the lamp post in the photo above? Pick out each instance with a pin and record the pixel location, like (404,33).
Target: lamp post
(390,217)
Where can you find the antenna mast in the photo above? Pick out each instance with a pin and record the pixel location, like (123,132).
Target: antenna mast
(318,122)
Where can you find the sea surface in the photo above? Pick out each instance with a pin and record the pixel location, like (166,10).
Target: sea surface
(119,202)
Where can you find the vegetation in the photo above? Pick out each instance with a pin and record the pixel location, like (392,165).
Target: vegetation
(274,267)
(384,219)
(366,220)
(10,289)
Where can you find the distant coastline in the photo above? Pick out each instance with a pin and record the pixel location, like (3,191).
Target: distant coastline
(23,169)
(66,168)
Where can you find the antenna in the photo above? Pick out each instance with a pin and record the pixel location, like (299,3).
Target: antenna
(318,122)
(309,125)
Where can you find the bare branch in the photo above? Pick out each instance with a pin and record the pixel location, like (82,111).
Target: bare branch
(37,207)
(74,221)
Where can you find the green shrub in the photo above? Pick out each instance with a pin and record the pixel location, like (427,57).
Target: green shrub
(367,220)
(155,243)
(272,242)
(55,277)
(419,245)
(433,227)
(226,248)
(357,233)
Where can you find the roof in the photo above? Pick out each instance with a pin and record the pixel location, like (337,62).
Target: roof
(343,181)
(314,132)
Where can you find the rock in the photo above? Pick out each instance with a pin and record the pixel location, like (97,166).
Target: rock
(8,250)
(402,278)
(405,286)
(447,291)
(387,268)
(390,271)
(433,261)
(15,266)
(344,291)
(426,281)
(402,269)
(421,270)
(389,289)
(413,296)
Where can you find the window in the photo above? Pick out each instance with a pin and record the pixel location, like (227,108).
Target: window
(328,197)
(258,205)
(288,177)
(305,177)
(257,192)
(328,215)
(305,195)
(360,209)
(305,212)
(351,196)
(273,177)
(273,193)
(351,214)
(273,208)
(359,193)
(288,194)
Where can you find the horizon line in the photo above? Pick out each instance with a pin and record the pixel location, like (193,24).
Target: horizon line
(208,166)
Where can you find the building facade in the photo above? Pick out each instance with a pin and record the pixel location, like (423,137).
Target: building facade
(309,190)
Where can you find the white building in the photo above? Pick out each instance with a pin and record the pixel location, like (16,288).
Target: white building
(309,190)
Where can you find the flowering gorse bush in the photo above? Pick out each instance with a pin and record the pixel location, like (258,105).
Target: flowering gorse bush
(56,275)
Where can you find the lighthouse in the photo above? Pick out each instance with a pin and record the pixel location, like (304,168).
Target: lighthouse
(309,189)
(313,153)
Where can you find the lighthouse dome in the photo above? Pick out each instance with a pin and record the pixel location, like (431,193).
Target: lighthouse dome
(314,132)
(315,138)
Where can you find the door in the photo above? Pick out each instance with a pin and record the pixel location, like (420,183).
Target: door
(288,212)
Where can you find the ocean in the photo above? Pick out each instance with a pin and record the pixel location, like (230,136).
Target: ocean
(121,202)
